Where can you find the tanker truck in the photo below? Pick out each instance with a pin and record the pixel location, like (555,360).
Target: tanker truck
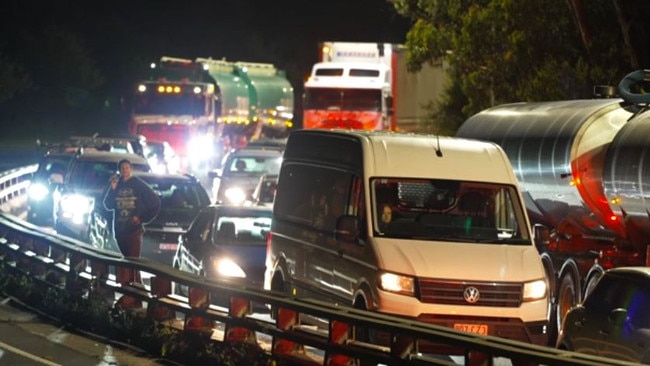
(366,86)
(584,168)
(203,107)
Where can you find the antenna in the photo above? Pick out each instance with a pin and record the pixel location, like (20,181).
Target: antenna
(438,151)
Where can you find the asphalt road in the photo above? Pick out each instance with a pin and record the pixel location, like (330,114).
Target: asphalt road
(27,339)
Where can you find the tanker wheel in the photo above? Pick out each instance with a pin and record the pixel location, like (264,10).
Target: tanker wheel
(567,297)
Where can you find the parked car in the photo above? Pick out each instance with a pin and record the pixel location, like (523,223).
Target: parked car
(181,199)
(50,173)
(235,182)
(226,242)
(614,319)
(83,187)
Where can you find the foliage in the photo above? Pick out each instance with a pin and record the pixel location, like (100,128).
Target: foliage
(503,51)
(90,310)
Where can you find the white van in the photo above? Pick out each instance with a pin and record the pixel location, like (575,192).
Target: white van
(425,227)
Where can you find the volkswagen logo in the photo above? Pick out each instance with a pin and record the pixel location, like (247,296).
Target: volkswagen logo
(471,294)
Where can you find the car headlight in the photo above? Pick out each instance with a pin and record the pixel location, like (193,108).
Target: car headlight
(403,285)
(38,191)
(76,207)
(235,195)
(226,267)
(535,290)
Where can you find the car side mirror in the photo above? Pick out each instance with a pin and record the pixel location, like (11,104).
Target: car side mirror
(618,317)
(212,174)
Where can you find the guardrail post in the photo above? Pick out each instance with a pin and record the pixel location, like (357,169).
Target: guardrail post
(239,308)
(338,334)
(99,271)
(286,319)
(199,299)
(160,287)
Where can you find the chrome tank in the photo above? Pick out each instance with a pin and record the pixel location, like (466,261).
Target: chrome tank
(559,153)
(627,177)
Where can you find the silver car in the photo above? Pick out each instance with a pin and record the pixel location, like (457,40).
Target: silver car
(241,171)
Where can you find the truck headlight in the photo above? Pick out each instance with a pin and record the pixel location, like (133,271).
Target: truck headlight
(38,191)
(226,267)
(535,290)
(76,207)
(200,149)
(235,195)
(403,285)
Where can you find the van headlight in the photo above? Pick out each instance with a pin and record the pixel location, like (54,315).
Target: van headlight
(226,267)
(403,285)
(38,191)
(535,290)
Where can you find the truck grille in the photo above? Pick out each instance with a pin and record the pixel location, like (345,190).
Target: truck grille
(434,291)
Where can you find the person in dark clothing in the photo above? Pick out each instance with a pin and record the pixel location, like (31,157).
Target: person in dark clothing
(133,204)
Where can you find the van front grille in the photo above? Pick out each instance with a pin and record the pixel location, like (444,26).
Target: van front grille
(435,291)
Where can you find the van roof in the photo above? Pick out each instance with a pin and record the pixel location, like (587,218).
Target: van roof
(417,155)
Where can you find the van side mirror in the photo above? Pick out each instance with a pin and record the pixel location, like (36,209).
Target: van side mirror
(389,105)
(541,237)
(347,228)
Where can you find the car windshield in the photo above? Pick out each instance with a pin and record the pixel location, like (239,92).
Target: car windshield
(244,229)
(95,174)
(447,210)
(253,165)
(52,166)
(178,196)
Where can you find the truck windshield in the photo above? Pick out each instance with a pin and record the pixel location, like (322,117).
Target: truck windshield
(181,104)
(447,210)
(342,99)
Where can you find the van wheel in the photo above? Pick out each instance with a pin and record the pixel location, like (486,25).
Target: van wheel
(277,284)
(567,297)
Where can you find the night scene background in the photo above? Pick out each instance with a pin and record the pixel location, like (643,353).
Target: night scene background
(67,67)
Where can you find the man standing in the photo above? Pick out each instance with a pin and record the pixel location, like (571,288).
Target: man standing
(133,204)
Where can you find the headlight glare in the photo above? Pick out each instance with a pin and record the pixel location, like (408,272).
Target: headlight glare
(228,268)
(235,195)
(38,191)
(392,282)
(534,290)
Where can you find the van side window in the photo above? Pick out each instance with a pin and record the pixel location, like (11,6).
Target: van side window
(315,196)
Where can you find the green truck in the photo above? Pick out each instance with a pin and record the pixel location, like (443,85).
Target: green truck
(204,107)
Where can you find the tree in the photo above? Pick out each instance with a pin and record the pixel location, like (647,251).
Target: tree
(503,51)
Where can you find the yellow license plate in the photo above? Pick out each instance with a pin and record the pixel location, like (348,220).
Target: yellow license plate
(481,329)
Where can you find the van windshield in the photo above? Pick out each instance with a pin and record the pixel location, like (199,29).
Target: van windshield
(447,210)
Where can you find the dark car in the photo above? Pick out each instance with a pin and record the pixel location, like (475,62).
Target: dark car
(227,242)
(614,319)
(49,174)
(181,198)
(83,187)
(241,170)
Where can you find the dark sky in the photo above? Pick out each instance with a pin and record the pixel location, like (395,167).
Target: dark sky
(283,32)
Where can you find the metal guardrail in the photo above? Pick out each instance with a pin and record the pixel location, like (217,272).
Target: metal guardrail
(71,264)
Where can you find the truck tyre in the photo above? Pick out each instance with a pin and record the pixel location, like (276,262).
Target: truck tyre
(568,296)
